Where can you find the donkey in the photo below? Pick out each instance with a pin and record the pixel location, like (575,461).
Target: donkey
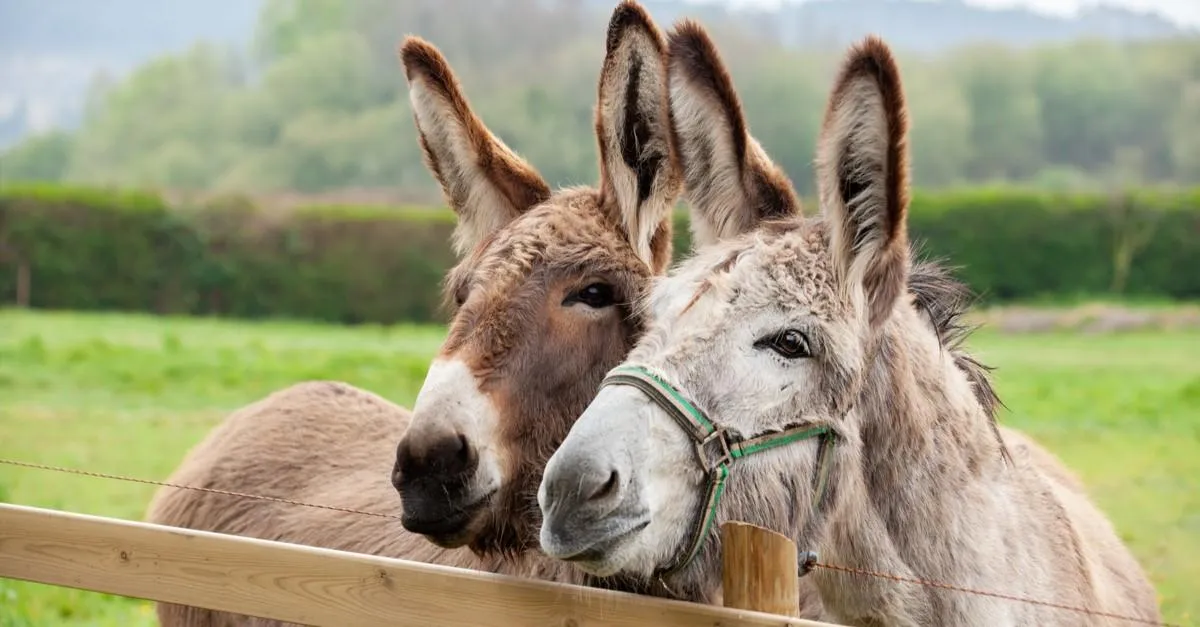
(806,346)
(541,298)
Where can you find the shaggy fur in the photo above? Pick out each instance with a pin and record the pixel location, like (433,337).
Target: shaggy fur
(921,485)
(536,359)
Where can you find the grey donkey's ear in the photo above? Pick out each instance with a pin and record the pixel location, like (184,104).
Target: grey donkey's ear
(639,170)
(729,181)
(862,174)
(484,181)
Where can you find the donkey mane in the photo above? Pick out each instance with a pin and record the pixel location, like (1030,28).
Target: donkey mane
(946,300)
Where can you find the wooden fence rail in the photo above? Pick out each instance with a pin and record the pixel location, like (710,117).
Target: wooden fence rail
(315,586)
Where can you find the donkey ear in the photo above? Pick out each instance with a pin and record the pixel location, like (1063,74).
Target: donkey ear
(862,175)
(729,181)
(639,171)
(484,181)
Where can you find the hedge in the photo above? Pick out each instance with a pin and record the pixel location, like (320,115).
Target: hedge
(96,249)
(1012,245)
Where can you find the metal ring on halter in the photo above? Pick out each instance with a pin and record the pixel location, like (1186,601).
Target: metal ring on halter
(808,561)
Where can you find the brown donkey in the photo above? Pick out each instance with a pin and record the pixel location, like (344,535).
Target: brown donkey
(541,296)
(821,368)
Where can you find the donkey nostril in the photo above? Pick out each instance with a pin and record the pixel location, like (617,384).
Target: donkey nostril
(403,460)
(464,449)
(608,488)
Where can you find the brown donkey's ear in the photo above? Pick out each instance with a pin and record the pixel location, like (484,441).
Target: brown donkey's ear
(639,175)
(862,174)
(729,181)
(484,181)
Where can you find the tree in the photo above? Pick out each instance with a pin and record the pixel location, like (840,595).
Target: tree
(285,25)
(1006,130)
(328,72)
(170,107)
(941,126)
(43,157)
(1089,104)
(1185,133)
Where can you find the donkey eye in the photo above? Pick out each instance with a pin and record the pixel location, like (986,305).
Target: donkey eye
(596,296)
(460,295)
(789,344)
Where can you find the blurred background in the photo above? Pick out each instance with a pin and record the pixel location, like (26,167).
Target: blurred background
(203,201)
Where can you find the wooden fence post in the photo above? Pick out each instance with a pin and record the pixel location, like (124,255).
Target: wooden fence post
(759,570)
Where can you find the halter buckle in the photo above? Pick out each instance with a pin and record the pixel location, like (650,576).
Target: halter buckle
(720,435)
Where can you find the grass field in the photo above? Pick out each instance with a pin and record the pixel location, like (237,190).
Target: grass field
(130,394)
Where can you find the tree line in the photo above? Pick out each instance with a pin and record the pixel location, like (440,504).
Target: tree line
(318,102)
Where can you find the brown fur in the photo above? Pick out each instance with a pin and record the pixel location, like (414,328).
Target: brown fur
(920,487)
(319,442)
(523,251)
(510,184)
(536,361)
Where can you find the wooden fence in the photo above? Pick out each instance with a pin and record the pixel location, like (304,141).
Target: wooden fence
(315,586)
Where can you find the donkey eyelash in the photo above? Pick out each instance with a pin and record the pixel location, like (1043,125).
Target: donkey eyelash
(791,343)
(597,294)
(461,293)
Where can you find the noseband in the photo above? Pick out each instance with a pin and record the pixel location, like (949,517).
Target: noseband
(716,449)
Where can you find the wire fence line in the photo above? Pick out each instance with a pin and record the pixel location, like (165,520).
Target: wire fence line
(815,564)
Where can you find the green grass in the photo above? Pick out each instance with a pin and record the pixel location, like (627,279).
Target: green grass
(130,394)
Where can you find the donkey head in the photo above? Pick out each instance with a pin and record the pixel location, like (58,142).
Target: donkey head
(541,293)
(766,332)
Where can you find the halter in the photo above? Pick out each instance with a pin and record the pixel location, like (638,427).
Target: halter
(728,448)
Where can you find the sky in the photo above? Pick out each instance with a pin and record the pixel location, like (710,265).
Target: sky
(1182,11)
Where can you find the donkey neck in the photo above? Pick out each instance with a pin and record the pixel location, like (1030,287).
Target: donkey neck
(923,474)
(922,427)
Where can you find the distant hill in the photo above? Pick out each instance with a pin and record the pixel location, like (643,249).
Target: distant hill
(51,49)
(921,25)
(122,32)
(935,26)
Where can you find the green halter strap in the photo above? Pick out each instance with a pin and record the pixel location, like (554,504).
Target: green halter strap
(716,460)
